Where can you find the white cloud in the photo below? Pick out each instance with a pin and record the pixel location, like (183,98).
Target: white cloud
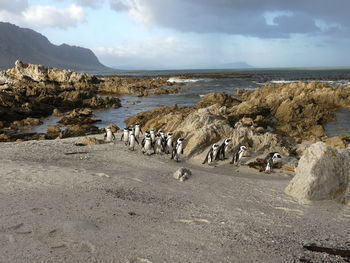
(50,16)
(39,16)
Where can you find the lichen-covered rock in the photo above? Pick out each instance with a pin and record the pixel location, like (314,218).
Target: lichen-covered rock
(204,126)
(142,87)
(299,108)
(337,142)
(323,173)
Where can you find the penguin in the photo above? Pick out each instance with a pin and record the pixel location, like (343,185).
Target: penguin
(270,159)
(223,149)
(238,154)
(169,143)
(147,144)
(274,155)
(212,154)
(109,135)
(177,150)
(269,165)
(164,139)
(153,135)
(125,136)
(158,144)
(132,140)
(138,130)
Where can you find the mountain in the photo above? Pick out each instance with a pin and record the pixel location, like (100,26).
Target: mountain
(31,47)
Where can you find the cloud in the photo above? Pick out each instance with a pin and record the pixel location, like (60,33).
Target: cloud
(50,16)
(13,6)
(39,16)
(152,53)
(241,17)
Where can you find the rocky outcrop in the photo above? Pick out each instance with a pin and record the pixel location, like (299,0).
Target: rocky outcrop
(323,173)
(142,87)
(297,109)
(32,91)
(202,127)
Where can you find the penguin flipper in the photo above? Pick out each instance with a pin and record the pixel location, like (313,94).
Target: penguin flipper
(121,138)
(206,158)
(113,136)
(137,141)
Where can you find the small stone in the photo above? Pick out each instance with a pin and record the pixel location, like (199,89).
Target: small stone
(182,174)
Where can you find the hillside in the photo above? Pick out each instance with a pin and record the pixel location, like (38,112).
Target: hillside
(31,47)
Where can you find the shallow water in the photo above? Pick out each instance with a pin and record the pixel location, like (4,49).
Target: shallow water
(191,93)
(341,126)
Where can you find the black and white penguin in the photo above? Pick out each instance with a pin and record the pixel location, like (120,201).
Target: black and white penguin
(178,149)
(269,165)
(132,140)
(223,149)
(138,130)
(238,154)
(147,145)
(125,136)
(169,143)
(153,135)
(158,144)
(109,135)
(212,154)
(270,159)
(274,155)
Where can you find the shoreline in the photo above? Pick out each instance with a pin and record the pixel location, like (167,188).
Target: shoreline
(51,203)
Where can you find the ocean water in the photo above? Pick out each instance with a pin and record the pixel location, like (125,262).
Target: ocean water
(201,82)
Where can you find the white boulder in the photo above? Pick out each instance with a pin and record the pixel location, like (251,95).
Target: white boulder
(323,173)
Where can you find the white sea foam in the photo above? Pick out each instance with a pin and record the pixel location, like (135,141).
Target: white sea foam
(178,80)
(282,81)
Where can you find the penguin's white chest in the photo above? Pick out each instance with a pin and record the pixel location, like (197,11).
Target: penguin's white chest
(132,140)
(147,145)
(109,136)
(240,155)
(179,149)
(268,167)
(126,136)
(137,131)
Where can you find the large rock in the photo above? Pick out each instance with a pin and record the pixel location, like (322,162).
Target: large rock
(205,126)
(297,109)
(323,173)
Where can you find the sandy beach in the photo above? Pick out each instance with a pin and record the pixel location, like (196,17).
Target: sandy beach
(103,203)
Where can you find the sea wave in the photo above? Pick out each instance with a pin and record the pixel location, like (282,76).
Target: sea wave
(283,81)
(179,80)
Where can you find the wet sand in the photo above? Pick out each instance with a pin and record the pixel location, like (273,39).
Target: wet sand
(103,203)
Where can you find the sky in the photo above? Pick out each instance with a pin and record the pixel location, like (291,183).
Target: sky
(182,34)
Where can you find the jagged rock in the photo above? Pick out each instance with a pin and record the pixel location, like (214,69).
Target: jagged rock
(337,142)
(182,174)
(141,87)
(54,130)
(323,173)
(113,127)
(40,73)
(299,108)
(26,124)
(78,116)
(57,113)
(205,126)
